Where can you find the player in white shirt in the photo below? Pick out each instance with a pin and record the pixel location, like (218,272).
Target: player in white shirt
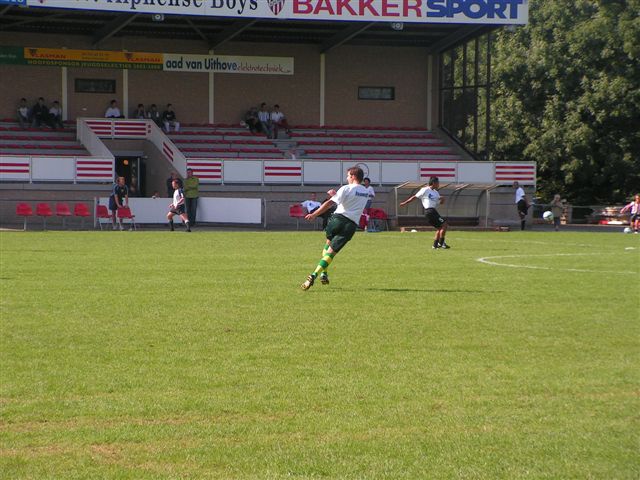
(177,207)
(521,203)
(351,200)
(372,193)
(430,198)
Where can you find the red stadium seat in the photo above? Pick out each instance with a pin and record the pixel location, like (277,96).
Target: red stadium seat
(44,210)
(63,210)
(24,210)
(296,211)
(81,210)
(102,213)
(124,213)
(377,216)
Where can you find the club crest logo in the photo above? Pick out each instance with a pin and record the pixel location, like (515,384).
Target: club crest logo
(276,6)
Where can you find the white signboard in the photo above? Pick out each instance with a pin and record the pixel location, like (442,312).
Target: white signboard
(216,210)
(485,12)
(228,64)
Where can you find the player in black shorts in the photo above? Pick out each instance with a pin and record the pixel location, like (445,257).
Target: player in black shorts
(177,207)
(430,198)
(119,198)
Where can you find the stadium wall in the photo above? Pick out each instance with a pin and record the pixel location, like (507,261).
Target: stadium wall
(299,96)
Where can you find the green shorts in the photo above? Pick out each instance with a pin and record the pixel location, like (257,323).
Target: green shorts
(339,231)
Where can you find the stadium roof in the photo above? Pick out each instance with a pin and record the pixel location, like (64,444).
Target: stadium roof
(216,31)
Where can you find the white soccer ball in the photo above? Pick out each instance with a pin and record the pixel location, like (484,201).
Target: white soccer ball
(627,230)
(413,230)
(548,216)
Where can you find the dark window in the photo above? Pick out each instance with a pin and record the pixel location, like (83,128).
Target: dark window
(465,97)
(95,85)
(376,93)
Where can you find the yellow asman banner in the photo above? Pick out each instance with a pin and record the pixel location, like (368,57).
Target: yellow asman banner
(102,56)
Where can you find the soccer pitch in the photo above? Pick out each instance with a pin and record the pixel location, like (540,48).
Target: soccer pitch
(157,355)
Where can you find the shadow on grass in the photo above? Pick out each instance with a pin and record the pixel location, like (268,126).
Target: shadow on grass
(415,290)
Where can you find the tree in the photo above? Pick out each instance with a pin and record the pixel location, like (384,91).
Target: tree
(567,95)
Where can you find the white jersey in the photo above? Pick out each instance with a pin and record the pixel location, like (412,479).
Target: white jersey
(178,197)
(276,116)
(430,198)
(519,194)
(351,200)
(372,192)
(310,205)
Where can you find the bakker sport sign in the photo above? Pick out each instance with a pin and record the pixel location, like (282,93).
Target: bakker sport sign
(485,12)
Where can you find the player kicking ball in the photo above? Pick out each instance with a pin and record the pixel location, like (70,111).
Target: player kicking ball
(430,200)
(343,223)
(177,206)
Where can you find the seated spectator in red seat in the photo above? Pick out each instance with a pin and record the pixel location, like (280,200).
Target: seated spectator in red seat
(139,113)
(55,115)
(312,204)
(154,114)
(40,114)
(113,111)
(169,119)
(22,113)
(278,120)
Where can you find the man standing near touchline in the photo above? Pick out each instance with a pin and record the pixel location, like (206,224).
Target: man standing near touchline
(521,203)
(191,194)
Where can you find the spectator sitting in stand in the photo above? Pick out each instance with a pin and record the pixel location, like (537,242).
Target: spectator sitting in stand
(251,120)
(40,114)
(169,119)
(113,111)
(22,113)
(265,120)
(278,120)
(154,114)
(55,115)
(139,113)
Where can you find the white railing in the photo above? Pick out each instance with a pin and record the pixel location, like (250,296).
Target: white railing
(53,168)
(333,172)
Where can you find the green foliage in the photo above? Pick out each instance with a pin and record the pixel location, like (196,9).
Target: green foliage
(152,355)
(567,95)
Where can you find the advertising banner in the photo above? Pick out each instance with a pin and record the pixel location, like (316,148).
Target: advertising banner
(228,64)
(58,57)
(483,12)
(174,62)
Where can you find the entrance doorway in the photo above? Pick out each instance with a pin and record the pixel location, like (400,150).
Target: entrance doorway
(131,168)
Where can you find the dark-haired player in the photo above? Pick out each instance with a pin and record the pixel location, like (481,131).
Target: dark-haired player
(177,206)
(119,198)
(343,223)
(430,198)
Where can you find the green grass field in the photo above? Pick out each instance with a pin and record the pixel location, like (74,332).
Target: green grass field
(150,355)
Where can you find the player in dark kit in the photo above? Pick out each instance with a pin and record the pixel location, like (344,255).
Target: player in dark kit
(119,198)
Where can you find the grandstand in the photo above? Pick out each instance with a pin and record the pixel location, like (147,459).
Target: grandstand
(353,92)
(15,140)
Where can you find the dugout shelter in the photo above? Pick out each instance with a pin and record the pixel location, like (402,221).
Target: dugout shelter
(335,68)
